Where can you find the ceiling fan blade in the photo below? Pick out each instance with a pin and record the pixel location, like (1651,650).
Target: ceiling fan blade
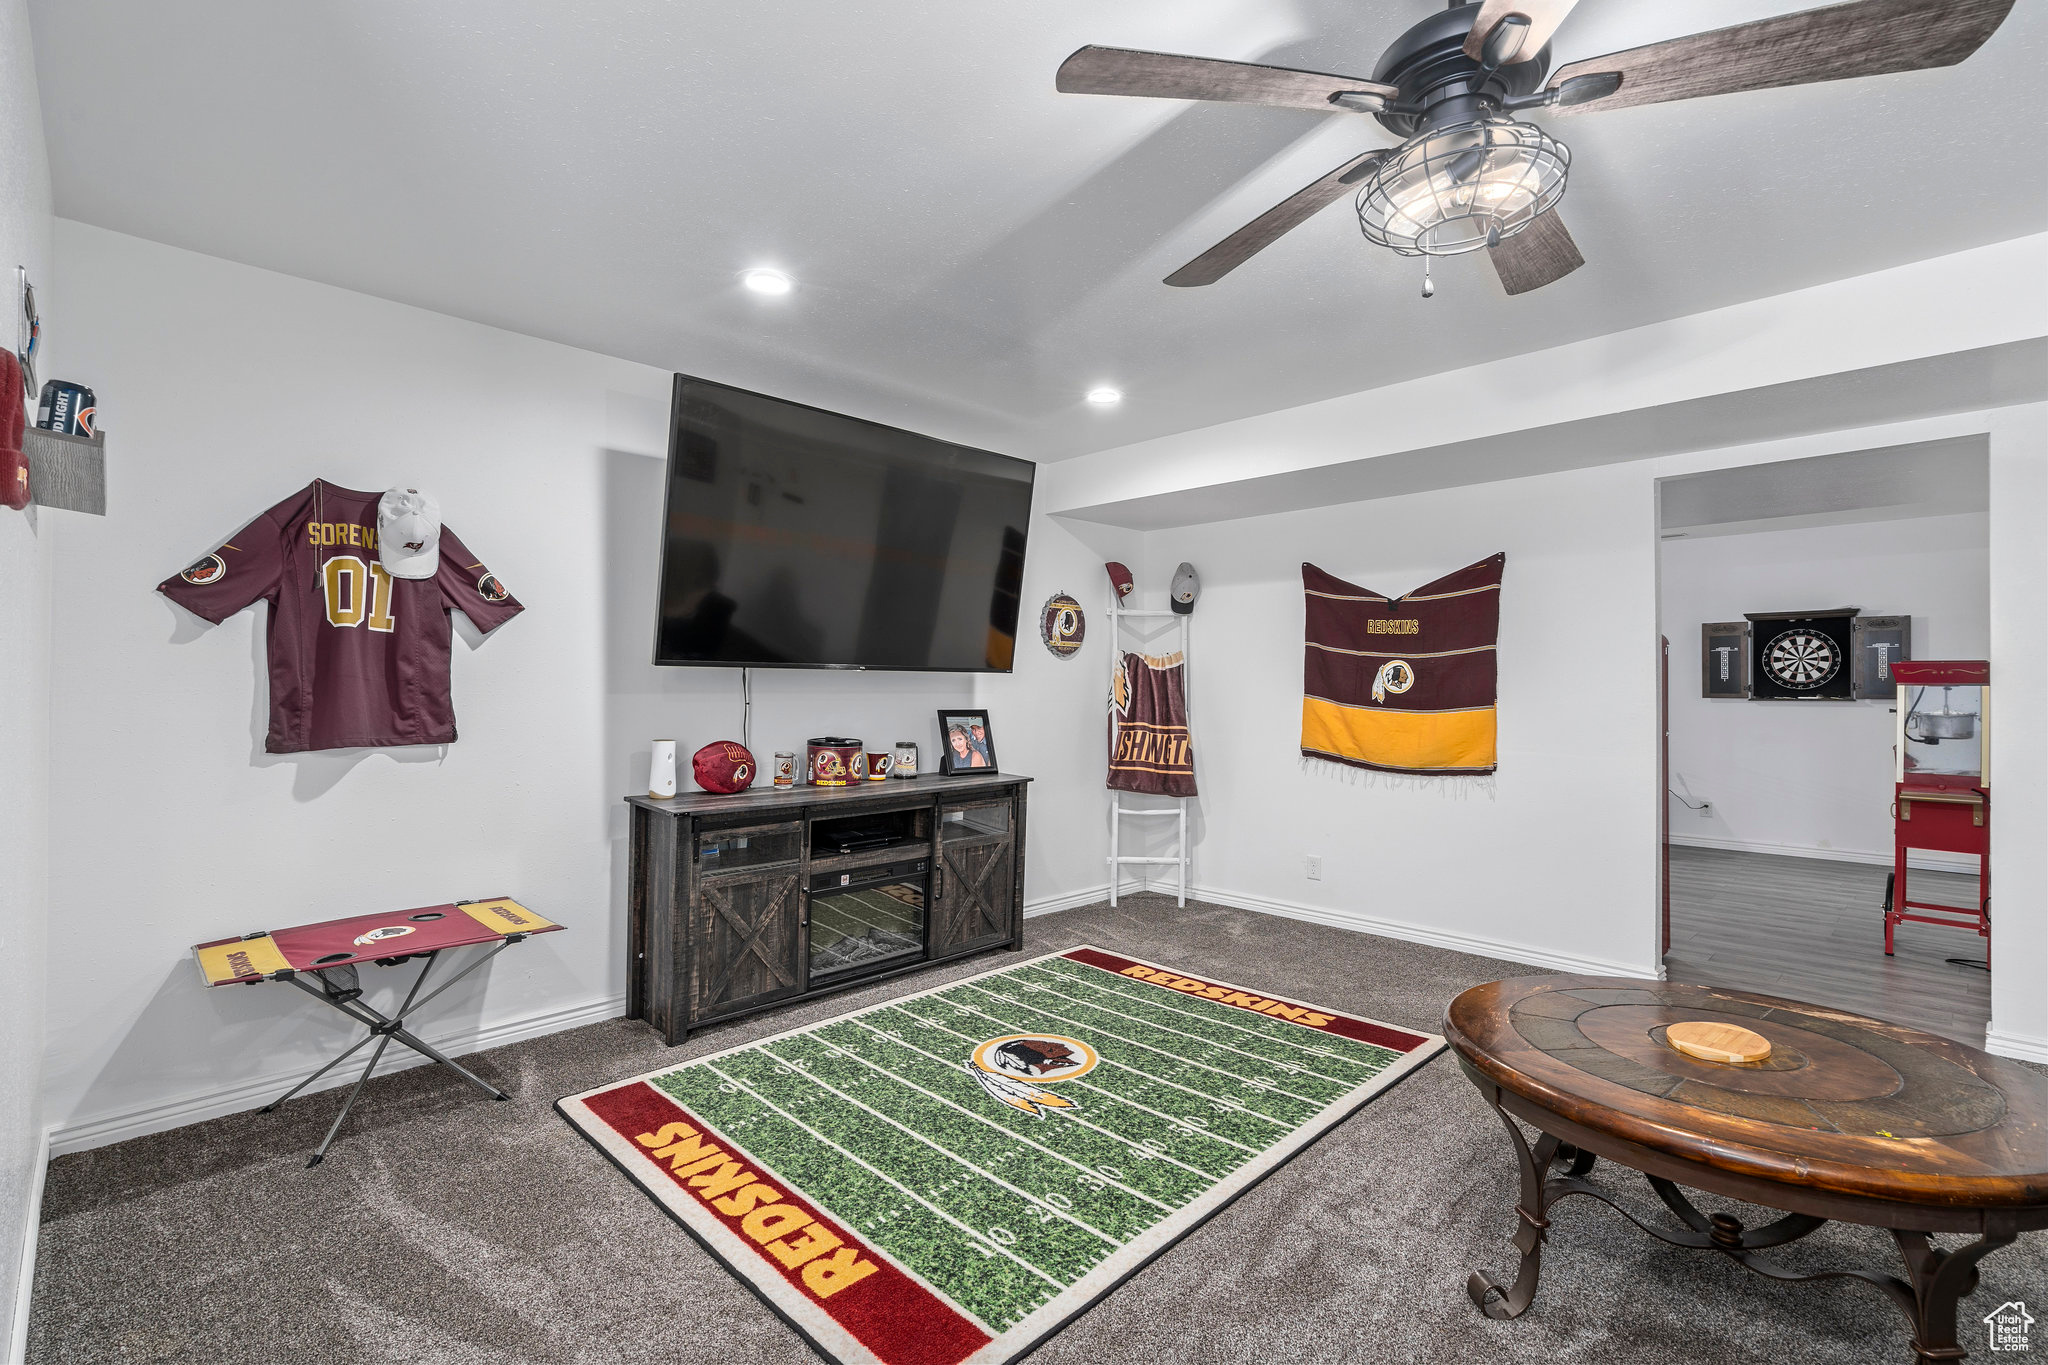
(1541,253)
(1541,18)
(1162,75)
(1266,229)
(1863,38)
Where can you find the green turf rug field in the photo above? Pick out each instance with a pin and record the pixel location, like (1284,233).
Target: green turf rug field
(952,1176)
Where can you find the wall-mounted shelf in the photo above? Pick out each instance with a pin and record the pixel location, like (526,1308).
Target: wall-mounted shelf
(68,472)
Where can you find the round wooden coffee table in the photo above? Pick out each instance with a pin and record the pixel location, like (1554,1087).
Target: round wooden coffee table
(1847,1119)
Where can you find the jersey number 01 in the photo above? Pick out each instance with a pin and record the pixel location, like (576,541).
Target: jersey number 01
(357,593)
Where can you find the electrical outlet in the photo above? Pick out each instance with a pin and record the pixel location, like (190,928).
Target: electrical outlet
(1313,866)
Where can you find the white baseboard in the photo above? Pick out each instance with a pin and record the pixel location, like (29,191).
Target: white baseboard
(25,1282)
(2016,1045)
(1073,900)
(1921,862)
(1415,933)
(197,1107)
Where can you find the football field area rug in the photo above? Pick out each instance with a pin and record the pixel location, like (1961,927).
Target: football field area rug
(952,1176)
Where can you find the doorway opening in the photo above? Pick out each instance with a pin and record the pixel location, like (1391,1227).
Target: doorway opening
(1785,593)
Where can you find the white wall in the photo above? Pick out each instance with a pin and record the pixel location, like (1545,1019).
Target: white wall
(1500,867)
(1811,778)
(25,553)
(2019,732)
(228,388)
(1558,866)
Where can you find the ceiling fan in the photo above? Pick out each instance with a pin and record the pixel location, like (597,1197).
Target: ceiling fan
(1469,175)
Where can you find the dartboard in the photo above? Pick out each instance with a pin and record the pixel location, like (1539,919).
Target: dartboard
(1801,659)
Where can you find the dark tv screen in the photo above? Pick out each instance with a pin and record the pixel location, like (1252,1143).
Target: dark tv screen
(799,538)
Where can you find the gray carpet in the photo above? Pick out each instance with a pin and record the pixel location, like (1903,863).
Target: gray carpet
(445,1229)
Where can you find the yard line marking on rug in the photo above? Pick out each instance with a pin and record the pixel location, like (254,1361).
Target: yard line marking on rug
(950,1156)
(1137,1070)
(980,1118)
(1256,1082)
(1119,1065)
(1139,1150)
(1126,989)
(1283,1066)
(980,1239)
(1004,1215)
(1144,1153)
(1134,1148)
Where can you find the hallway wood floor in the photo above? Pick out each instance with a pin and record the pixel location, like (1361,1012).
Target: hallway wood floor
(1813,930)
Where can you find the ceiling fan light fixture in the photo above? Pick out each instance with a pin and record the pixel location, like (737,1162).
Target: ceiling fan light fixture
(1462,187)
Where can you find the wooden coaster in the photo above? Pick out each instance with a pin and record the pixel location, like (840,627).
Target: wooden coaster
(1712,1042)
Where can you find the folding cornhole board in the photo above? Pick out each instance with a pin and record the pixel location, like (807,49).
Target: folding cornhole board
(330,953)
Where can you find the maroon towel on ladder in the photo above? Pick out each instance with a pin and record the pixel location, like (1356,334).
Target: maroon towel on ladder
(1149,747)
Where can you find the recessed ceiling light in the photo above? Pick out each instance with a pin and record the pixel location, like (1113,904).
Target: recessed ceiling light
(1105,396)
(767,281)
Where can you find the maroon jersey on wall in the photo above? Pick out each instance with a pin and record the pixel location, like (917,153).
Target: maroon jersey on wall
(358,659)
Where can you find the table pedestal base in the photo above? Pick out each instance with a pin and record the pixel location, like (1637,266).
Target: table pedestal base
(1935,1279)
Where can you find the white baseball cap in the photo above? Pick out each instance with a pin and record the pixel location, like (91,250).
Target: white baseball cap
(409,533)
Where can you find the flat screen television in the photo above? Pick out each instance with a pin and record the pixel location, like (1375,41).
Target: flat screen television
(798,538)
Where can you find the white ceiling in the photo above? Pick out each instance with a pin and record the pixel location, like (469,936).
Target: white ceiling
(974,250)
(1896,483)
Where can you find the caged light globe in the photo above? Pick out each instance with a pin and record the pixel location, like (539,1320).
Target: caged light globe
(1462,187)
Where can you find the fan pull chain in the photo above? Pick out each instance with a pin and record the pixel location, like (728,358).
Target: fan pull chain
(1428,284)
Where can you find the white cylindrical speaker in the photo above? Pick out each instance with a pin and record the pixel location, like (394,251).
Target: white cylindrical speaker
(661,780)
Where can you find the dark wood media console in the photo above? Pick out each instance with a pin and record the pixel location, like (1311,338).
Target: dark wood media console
(746,902)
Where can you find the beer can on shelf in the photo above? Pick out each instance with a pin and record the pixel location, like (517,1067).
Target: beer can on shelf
(68,408)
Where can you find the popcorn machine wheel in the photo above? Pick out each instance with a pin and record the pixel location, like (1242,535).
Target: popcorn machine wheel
(1941,799)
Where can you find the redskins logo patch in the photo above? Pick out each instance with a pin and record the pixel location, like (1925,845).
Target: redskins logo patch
(1062,625)
(208,570)
(1396,676)
(1012,1067)
(379,935)
(490,589)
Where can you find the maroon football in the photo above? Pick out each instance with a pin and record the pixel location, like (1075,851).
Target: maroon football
(723,767)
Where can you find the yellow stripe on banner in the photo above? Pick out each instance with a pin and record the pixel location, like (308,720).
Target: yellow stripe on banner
(505,916)
(1400,739)
(239,960)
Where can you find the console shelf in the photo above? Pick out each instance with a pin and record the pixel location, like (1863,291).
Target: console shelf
(723,889)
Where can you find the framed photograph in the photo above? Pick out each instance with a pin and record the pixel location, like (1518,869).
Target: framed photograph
(966,743)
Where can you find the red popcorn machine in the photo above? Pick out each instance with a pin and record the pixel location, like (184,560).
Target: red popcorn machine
(1941,787)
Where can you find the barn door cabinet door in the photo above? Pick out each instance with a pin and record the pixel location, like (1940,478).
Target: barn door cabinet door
(747,924)
(975,896)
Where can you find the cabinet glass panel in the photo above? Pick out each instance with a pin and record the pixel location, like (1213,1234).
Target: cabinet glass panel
(1943,730)
(723,850)
(864,919)
(975,822)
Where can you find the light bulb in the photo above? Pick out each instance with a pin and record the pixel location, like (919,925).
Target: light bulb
(765,281)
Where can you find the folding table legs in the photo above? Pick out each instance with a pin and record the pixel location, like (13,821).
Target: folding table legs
(348,1000)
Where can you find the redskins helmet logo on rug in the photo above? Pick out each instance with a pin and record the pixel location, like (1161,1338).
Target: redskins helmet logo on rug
(208,570)
(1012,1067)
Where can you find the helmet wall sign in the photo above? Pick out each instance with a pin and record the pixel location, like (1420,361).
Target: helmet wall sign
(1062,625)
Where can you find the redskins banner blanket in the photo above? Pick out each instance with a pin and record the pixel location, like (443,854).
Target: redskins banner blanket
(1402,684)
(1150,749)
(950,1177)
